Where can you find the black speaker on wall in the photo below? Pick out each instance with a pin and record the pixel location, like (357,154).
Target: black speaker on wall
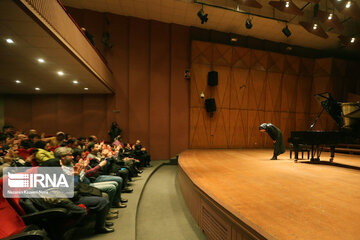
(213,78)
(210,105)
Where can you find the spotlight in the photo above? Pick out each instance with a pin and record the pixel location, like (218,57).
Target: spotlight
(248,23)
(287,4)
(352,40)
(203,17)
(330,16)
(315,26)
(286,31)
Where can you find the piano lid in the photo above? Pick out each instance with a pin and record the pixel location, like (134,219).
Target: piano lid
(331,106)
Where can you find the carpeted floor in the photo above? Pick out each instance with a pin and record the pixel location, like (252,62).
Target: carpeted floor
(162,213)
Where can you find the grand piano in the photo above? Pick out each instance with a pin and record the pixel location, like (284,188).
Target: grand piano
(346,116)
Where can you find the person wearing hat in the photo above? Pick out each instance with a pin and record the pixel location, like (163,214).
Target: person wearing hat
(55,141)
(276,135)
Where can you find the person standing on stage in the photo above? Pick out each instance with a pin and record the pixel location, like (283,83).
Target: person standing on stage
(276,135)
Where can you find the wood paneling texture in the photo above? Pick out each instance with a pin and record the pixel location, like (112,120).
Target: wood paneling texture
(254,87)
(78,115)
(159,119)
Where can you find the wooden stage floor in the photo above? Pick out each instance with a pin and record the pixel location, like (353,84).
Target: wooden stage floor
(284,199)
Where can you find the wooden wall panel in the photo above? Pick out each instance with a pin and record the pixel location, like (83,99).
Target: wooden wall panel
(70,112)
(239,90)
(221,55)
(303,97)
(199,128)
(179,89)
(221,92)
(45,117)
(322,67)
(139,70)
(238,128)
(289,91)
(18,111)
(241,57)
(273,91)
(219,129)
(291,65)
(257,86)
(94,115)
(201,52)
(264,87)
(276,62)
(198,84)
(255,138)
(159,119)
(118,59)
(259,60)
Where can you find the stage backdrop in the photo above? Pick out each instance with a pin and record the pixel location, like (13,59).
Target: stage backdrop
(257,86)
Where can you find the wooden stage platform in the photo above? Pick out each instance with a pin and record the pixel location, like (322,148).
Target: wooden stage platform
(241,194)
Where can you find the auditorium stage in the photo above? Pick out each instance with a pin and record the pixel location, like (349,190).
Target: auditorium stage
(241,194)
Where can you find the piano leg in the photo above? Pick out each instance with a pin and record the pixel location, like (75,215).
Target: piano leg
(332,153)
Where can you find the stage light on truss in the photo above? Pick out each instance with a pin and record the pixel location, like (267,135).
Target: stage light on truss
(286,31)
(248,23)
(202,15)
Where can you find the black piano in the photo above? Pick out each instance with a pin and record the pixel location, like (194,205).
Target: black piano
(347,117)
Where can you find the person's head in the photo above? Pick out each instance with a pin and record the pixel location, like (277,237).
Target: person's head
(26,144)
(34,137)
(81,141)
(93,148)
(32,131)
(40,144)
(7,128)
(72,143)
(138,142)
(262,127)
(60,136)
(77,154)
(65,156)
(93,139)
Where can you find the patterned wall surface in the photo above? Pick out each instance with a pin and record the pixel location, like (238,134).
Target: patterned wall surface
(254,87)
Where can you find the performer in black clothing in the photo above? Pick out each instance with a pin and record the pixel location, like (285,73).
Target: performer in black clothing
(276,136)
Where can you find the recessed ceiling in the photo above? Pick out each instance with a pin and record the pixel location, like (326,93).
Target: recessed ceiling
(184,12)
(19,61)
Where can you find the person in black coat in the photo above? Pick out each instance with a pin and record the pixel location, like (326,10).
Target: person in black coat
(276,135)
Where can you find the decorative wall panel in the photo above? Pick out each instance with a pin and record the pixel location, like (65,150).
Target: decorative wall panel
(258,86)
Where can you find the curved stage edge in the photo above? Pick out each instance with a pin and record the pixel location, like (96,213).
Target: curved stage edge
(316,215)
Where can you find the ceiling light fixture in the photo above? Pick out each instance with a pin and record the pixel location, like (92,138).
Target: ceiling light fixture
(17,81)
(330,16)
(352,40)
(348,4)
(201,14)
(37,89)
(287,4)
(286,31)
(248,23)
(86,89)
(315,26)
(60,73)
(75,82)
(40,60)
(9,40)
